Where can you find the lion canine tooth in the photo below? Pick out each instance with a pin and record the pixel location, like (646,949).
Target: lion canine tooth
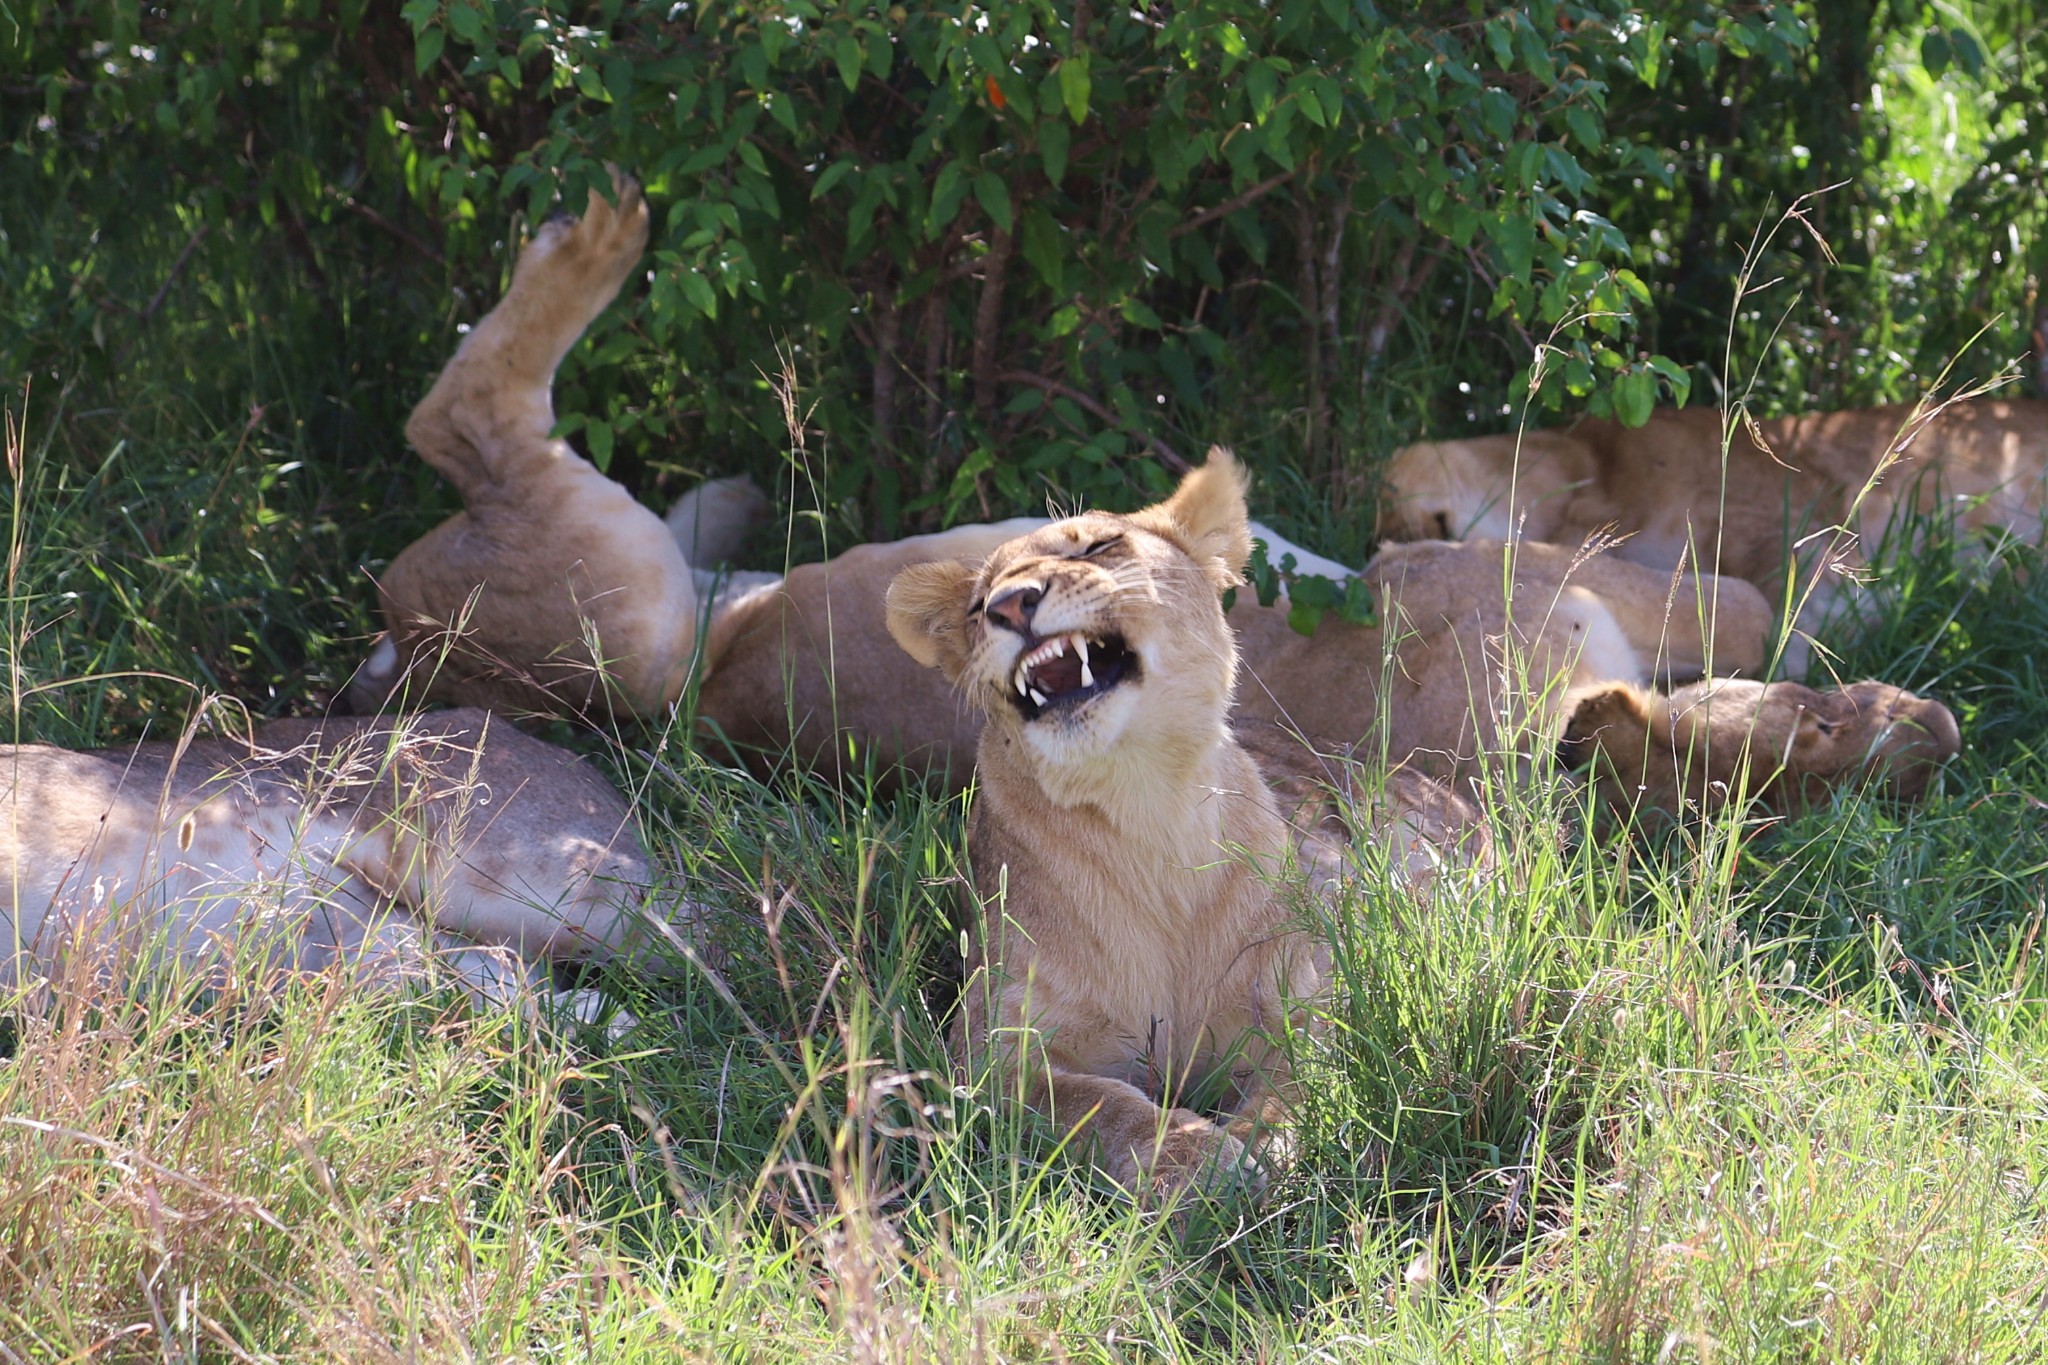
(1087,673)
(1038,696)
(1022,688)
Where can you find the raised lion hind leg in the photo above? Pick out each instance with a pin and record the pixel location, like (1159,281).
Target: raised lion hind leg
(489,414)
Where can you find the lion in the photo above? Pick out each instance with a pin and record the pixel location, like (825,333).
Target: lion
(1135,949)
(1783,746)
(1664,487)
(554,591)
(444,847)
(1332,799)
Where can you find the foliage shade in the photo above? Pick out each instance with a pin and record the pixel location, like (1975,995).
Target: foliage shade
(1026,248)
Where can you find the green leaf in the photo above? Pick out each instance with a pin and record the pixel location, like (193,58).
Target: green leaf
(428,49)
(1262,80)
(597,434)
(1497,41)
(1675,375)
(466,23)
(831,176)
(1635,396)
(948,190)
(1042,247)
(699,292)
(1311,107)
(1138,315)
(1934,52)
(994,196)
(1968,55)
(1585,126)
(1515,235)
(851,59)
(1075,85)
(1358,606)
(1302,618)
(1053,140)
(1650,66)
(1578,377)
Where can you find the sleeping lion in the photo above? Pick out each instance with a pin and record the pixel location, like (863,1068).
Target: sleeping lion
(1783,746)
(555,591)
(448,847)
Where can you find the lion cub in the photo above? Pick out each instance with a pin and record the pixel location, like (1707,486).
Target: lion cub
(1123,843)
(1784,744)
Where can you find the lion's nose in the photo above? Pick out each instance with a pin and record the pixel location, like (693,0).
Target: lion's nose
(1015,608)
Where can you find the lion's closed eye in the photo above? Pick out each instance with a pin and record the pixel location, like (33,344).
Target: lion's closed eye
(1096,547)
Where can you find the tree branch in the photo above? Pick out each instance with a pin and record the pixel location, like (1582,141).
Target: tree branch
(988,323)
(379,221)
(1166,454)
(1232,204)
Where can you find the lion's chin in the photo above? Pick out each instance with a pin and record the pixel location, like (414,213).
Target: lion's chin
(1061,676)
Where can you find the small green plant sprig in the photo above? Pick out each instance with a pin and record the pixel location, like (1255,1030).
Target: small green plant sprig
(1310,597)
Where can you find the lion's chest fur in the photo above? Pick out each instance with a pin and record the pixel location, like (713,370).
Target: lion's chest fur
(1149,950)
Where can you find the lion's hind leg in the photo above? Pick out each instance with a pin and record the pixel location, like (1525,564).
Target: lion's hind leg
(489,414)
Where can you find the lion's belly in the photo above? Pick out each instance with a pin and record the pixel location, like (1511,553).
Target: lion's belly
(202,876)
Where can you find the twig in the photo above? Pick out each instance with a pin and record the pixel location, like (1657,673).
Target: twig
(163,291)
(988,322)
(1232,204)
(1486,277)
(1168,456)
(1398,300)
(378,220)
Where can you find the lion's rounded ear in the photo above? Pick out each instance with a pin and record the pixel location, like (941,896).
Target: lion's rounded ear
(1614,713)
(1206,516)
(927,606)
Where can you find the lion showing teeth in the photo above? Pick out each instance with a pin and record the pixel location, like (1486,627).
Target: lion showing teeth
(1133,950)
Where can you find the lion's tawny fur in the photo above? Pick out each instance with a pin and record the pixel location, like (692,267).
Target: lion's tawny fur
(450,842)
(1123,851)
(1783,745)
(1786,482)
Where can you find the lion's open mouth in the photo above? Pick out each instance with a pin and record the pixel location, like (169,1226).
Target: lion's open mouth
(1067,670)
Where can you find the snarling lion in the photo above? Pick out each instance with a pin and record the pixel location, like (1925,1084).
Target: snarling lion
(555,591)
(448,847)
(1782,745)
(1662,486)
(1134,947)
